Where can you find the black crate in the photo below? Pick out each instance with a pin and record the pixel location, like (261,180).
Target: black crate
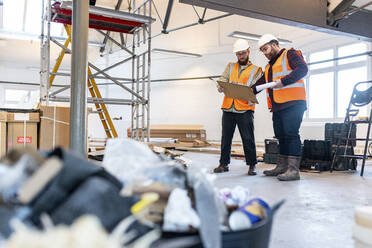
(344,164)
(317,150)
(335,131)
(271,146)
(317,165)
(270,158)
(305,165)
(341,163)
(341,150)
(328,131)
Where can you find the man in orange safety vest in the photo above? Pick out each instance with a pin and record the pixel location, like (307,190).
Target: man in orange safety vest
(238,112)
(287,101)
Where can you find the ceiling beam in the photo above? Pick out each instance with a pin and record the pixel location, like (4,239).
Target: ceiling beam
(167,16)
(340,8)
(332,4)
(309,14)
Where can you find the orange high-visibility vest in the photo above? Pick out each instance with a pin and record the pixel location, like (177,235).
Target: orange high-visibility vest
(291,92)
(246,78)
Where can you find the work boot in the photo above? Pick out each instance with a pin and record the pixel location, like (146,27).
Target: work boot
(293,172)
(252,170)
(221,168)
(281,167)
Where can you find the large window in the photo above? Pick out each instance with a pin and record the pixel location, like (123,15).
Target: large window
(24,16)
(330,84)
(321,87)
(320,56)
(20,98)
(13,96)
(351,50)
(346,82)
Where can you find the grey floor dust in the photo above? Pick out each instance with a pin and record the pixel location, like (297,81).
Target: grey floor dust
(319,208)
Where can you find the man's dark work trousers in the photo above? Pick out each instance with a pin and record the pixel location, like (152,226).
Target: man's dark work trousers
(287,124)
(245,125)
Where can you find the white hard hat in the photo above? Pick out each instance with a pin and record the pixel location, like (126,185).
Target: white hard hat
(240,45)
(266,38)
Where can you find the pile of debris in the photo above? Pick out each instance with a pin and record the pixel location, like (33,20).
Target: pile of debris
(139,197)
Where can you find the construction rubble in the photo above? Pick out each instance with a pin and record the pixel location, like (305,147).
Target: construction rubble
(137,197)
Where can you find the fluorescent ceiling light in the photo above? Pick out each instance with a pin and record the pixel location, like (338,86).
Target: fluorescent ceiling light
(158,50)
(248,36)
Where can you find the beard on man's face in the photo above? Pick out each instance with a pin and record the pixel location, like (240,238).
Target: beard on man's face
(271,54)
(243,62)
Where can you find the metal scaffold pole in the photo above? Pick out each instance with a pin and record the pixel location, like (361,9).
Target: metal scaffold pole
(79,63)
(141,68)
(45,52)
(133,80)
(148,76)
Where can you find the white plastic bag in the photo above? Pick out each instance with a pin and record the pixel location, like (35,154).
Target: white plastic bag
(178,214)
(236,196)
(127,159)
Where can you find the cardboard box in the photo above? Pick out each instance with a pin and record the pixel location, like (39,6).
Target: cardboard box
(18,129)
(184,133)
(13,115)
(55,127)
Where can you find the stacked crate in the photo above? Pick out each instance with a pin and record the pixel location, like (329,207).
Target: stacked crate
(336,134)
(318,154)
(271,151)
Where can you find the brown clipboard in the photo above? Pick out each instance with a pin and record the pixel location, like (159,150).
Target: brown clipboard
(238,91)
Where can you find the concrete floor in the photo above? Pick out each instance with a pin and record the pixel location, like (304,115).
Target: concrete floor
(319,208)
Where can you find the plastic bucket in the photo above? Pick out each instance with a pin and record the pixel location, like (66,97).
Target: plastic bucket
(258,236)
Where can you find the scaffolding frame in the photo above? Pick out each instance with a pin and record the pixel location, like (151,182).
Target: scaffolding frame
(139,56)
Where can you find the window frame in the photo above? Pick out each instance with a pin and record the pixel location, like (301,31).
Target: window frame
(335,68)
(56,31)
(9,104)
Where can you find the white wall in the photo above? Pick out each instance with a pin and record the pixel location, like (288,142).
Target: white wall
(193,101)
(197,101)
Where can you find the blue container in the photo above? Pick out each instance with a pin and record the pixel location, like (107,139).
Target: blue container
(250,213)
